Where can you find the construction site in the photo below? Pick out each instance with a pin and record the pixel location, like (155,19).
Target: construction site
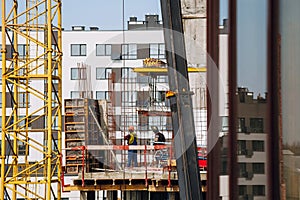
(54,145)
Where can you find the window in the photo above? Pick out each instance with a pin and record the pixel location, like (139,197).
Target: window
(242,169)
(258,145)
(162,79)
(0,98)
(55,122)
(129,98)
(1,54)
(54,48)
(157,51)
(78,49)
(22,100)
(129,51)
(241,125)
(258,168)
(81,94)
(256,125)
(23,122)
(241,147)
(259,190)
(22,50)
(128,73)
(103,73)
(242,190)
(9,150)
(78,73)
(225,123)
(75,94)
(102,95)
(21,148)
(103,49)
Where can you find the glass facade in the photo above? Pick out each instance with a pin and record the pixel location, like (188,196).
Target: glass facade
(263,54)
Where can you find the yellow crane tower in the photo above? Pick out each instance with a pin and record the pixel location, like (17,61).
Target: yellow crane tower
(31,72)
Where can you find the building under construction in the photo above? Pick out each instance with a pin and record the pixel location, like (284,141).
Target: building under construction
(64,120)
(94,136)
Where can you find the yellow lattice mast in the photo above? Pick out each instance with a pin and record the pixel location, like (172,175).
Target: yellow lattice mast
(31,99)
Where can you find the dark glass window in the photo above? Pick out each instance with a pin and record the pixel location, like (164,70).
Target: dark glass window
(241,125)
(259,190)
(258,168)
(242,169)
(258,145)
(257,125)
(241,147)
(242,190)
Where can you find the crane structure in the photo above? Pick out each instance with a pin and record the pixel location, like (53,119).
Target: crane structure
(31,72)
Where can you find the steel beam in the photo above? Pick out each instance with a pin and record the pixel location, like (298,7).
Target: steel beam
(181,104)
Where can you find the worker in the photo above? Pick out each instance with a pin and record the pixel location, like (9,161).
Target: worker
(159,137)
(131,140)
(161,153)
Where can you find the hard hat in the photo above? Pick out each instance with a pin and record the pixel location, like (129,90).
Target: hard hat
(154,129)
(131,128)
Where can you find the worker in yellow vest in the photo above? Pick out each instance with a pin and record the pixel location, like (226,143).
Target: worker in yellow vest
(131,140)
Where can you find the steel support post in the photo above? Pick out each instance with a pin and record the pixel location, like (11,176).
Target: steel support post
(181,104)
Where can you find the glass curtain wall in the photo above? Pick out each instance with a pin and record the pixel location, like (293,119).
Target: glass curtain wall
(261,72)
(289,60)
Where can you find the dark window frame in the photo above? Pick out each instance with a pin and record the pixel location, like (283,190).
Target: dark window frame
(80,46)
(160,51)
(128,53)
(107,73)
(81,73)
(106,95)
(106,50)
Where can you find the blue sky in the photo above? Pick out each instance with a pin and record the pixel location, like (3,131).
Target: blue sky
(111,15)
(107,15)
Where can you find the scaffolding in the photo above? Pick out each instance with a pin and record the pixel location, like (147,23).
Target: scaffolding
(31,72)
(137,97)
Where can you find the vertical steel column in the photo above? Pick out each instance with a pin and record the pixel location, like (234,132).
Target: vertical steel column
(181,105)
(59,94)
(232,101)
(3,51)
(213,142)
(48,69)
(274,106)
